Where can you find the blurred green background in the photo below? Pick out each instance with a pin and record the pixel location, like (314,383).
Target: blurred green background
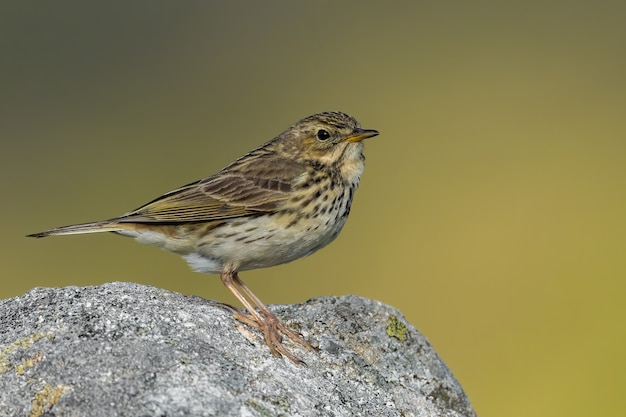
(491,211)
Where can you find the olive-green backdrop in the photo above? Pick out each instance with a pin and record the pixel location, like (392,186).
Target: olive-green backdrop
(491,211)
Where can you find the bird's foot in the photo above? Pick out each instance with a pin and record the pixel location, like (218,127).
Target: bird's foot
(272,328)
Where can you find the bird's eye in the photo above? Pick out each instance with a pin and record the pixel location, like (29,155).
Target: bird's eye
(322,134)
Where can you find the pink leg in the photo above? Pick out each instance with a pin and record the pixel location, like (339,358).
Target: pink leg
(263,319)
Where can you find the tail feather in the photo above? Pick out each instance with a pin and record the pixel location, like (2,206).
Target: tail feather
(75,229)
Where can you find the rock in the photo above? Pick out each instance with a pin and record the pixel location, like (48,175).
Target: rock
(124,349)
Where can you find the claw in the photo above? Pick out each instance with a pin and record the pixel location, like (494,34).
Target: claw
(263,319)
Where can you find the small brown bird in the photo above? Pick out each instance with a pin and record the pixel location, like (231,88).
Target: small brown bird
(280,202)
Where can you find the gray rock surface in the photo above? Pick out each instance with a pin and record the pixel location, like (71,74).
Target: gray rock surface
(124,349)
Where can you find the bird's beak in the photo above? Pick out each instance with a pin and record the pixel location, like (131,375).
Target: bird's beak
(360,134)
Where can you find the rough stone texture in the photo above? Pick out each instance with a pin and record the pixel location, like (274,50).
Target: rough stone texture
(124,349)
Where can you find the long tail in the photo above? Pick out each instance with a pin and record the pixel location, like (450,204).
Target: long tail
(75,229)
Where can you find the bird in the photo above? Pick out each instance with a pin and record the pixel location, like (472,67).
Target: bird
(280,202)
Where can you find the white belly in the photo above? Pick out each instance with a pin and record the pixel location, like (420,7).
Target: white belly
(260,243)
(253,242)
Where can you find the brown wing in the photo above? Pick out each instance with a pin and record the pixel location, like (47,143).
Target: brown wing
(239,190)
